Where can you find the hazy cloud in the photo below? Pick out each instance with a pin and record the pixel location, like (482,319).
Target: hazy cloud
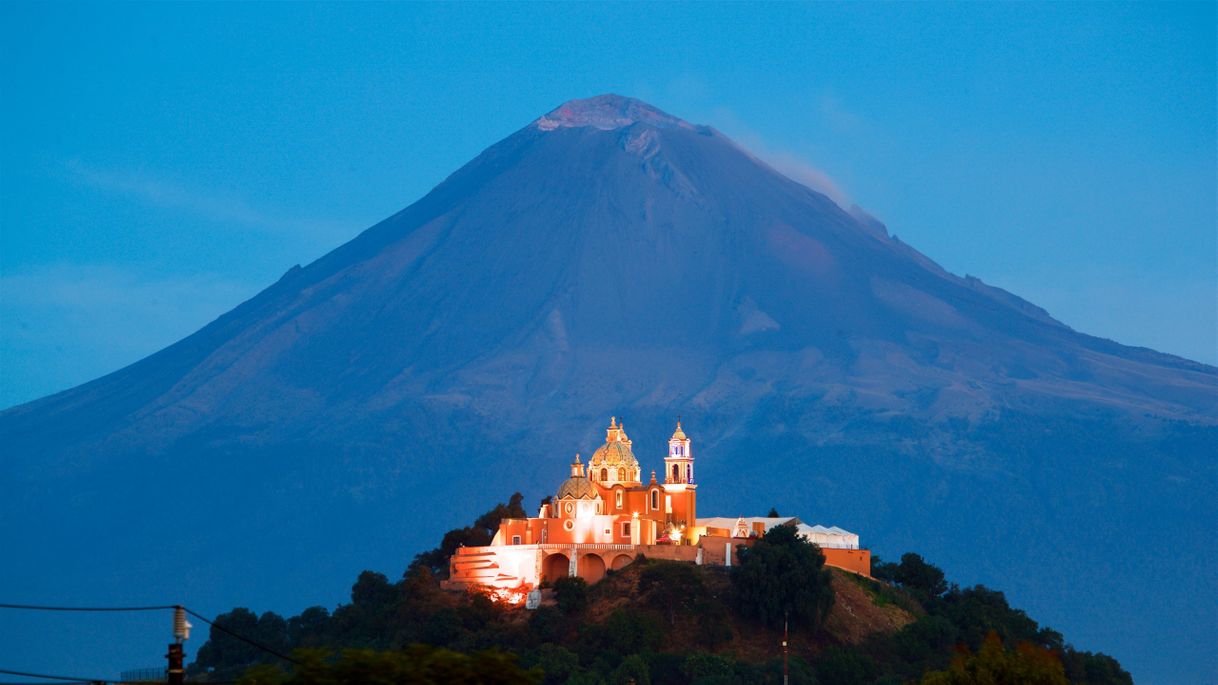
(801,171)
(64,324)
(213,206)
(837,117)
(792,165)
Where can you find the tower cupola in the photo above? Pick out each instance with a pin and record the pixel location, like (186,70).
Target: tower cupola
(679,464)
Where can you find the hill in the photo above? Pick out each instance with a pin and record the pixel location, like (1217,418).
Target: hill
(609,258)
(665,622)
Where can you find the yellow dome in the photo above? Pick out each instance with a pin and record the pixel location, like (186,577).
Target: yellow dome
(614,454)
(578,488)
(678,434)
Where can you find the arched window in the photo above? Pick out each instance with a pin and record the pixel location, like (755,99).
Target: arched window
(655,499)
(675,471)
(621,474)
(604,474)
(689,473)
(619,499)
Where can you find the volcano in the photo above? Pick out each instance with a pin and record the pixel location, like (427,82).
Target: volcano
(611,259)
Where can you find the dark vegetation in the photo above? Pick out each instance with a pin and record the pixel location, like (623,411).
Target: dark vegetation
(654,622)
(477,535)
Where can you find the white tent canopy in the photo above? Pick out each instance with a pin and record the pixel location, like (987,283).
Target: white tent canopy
(830,537)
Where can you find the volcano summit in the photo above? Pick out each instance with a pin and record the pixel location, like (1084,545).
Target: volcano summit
(609,258)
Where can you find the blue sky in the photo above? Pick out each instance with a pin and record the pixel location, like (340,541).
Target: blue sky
(161,163)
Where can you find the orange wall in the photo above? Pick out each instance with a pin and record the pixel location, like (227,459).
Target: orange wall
(857,560)
(669,552)
(714,550)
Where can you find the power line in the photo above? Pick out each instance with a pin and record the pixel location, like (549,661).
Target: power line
(159,607)
(263,647)
(38,607)
(56,677)
(89,681)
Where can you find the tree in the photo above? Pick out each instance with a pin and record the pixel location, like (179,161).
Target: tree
(478,535)
(925,643)
(700,668)
(712,624)
(1094,669)
(557,663)
(924,579)
(546,625)
(773,513)
(418,664)
(626,631)
(883,571)
(632,671)
(837,666)
(1027,664)
(366,620)
(672,586)
(783,575)
(228,655)
(489,521)
(372,591)
(309,628)
(978,611)
(571,593)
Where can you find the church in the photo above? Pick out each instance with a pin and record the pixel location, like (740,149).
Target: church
(604,515)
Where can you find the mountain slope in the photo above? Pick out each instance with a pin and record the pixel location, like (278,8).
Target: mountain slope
(611,259)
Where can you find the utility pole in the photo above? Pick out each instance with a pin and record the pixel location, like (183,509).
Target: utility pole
(176,674)
(785,674)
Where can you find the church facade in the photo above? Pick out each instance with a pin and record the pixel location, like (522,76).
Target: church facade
(605,514)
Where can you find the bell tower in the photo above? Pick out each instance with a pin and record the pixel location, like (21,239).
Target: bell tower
(679,464)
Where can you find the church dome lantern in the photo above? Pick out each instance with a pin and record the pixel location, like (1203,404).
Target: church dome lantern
(578,486)
(614,462)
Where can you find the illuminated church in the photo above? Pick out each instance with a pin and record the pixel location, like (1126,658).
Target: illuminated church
(604,515)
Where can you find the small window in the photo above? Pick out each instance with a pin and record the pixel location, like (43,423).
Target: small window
(568,524)
(626,529)
(655,499)
(515,539)
(621,474)
(604,474)
(619,499)
(608,532)
(570,507)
